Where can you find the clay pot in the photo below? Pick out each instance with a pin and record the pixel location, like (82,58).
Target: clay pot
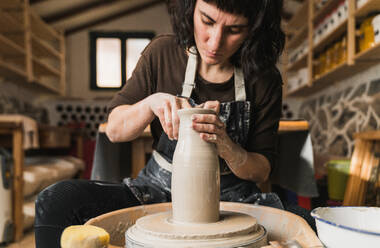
(195,174)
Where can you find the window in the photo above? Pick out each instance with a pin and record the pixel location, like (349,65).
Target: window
(113,57)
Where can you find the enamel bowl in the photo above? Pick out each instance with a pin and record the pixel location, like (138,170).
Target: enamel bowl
(348,226)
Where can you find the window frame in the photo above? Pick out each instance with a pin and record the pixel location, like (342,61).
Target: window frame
(123,36)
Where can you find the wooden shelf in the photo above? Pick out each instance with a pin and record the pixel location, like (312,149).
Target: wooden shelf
(10,48)
(327,8)
(8,24)
(49,82)
(42,48)
(43,68)
(370,55)
(6,4)
(42,30)
(355,62)
(298,64)
(9,70)
(332,75)
(370,6)
(333,35)
(301,91)
(30,48)
(300,18)
(298,38)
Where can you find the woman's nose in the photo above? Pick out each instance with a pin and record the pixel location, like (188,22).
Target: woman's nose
(216,39)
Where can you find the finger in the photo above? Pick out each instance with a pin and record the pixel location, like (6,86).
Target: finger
(175,119)
(200,105)
(161,117)
(207,118)
(206,128)
(213,138)
(214,105)
(184,103)
(168,119)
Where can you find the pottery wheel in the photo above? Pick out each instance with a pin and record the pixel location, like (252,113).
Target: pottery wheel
(233,229)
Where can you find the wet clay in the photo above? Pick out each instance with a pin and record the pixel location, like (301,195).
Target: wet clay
(195,174)
(195,219)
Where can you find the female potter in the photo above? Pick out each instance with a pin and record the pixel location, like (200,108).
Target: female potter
(223,57)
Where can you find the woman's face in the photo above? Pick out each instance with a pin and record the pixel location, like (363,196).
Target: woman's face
(218,34)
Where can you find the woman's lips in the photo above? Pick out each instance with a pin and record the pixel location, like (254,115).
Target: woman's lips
(212,54)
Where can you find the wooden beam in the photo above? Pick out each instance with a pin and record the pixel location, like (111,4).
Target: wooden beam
(114,16)
(76,11)
(36,1)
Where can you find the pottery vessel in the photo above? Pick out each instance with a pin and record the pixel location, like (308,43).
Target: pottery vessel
(195,174)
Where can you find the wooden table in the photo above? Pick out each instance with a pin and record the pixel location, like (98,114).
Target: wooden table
(364,164)
(12,136)
(11,133)
(142,146)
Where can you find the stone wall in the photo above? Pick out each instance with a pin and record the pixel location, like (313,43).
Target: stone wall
(346,107)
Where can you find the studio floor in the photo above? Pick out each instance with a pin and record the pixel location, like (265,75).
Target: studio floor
(26,242)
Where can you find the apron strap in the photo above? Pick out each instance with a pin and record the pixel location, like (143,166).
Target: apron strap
(191,69)
(239,85)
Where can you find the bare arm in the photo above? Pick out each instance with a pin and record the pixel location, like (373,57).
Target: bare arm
(127,122)
(246,165)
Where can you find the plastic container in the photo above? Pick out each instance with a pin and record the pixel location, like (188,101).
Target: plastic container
(367,36)
(376,28)
(337,175)
(348,227)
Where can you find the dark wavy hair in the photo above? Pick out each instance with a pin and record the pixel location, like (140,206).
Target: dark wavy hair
(264,43)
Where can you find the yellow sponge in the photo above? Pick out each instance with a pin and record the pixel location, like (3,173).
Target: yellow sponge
(84,236)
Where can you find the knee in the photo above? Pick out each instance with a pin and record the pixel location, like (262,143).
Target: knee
(53,201)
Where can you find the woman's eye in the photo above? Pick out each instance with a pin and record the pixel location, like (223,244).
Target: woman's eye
(207,22)
(234,30)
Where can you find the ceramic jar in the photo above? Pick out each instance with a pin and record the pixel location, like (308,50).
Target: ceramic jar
(195,174)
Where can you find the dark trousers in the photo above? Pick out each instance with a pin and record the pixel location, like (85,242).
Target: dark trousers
(73,202)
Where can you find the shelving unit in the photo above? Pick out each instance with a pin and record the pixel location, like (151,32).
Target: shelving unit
(30,49)
(334,34)
(356,61)
(301,62)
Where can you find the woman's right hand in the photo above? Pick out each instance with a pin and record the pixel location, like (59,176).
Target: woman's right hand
(165,107)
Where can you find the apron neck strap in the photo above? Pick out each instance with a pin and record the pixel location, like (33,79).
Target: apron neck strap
(191,70)
(239,85)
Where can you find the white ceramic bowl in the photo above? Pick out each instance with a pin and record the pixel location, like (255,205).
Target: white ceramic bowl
(348,226)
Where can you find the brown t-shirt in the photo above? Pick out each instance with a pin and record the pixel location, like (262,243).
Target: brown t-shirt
(161,68)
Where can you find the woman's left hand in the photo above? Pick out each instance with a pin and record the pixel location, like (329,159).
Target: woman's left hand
(212,129)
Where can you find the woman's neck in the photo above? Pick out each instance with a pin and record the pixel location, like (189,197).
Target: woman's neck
(215,73)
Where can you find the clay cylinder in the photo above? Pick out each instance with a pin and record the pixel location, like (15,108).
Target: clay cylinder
(195,174)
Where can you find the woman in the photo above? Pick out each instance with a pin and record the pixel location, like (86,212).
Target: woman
(228,51)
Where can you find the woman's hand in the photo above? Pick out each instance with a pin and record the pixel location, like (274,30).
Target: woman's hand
(246,165)
(165,107)
(212,129)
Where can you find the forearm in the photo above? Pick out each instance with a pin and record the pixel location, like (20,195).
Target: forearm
(127,122)
(246,165)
